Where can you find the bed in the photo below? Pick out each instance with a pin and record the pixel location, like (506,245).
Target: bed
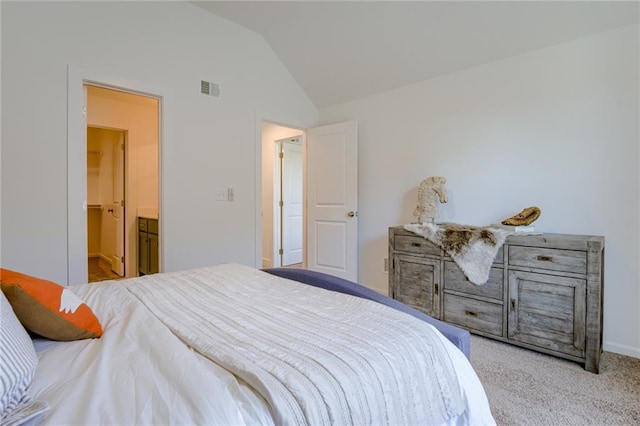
(234,345)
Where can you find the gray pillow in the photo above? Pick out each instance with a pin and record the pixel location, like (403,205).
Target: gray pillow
(18,362)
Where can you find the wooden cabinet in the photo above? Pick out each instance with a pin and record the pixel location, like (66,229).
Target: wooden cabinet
(544,292)
(418,283)
(148,246)
(548,311)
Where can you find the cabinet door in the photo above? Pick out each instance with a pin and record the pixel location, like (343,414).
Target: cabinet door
(153,254)
(548,311)
(417,283)
(143,253)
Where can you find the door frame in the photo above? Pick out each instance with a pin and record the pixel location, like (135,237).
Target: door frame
(77,77)
(260,119)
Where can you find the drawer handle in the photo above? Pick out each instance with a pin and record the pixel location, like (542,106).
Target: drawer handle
(513,304)
(471,313)
(545,258)
(437,288)
(416,244)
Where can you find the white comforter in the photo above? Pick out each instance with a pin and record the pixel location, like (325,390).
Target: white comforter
(140,372)
(317,357)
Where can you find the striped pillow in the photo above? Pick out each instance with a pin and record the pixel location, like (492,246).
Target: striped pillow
(18,361)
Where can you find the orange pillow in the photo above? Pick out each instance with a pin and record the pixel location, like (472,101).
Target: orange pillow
(49,309)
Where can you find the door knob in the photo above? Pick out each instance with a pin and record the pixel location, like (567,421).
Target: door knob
(352,214)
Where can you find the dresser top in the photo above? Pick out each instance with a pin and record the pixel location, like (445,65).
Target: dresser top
(561,241)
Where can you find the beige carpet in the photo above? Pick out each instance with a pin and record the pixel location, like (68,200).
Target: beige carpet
(528,388)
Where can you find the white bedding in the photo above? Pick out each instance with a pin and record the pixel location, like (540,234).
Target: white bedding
(140,372)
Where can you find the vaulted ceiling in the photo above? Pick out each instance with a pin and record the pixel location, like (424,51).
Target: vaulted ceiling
(341,51)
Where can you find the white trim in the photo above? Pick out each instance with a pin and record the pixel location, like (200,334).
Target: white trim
(305,197)
(277,210)
(77,77)
(257,254)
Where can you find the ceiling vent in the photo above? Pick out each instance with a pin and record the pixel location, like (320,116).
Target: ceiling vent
(210,88)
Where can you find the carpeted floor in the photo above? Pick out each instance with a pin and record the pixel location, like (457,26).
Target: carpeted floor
(529,388)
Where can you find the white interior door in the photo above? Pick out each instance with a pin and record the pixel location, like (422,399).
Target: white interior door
(332,200)
(117,260)
(292,202)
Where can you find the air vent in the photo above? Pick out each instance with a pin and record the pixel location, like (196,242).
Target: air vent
(210,88)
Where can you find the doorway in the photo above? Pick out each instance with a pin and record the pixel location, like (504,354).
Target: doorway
(122,178)
(276,230)
(105,203)
(329,200)
(82,113)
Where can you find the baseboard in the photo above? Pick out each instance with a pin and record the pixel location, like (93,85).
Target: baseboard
(105,258)
(266,262)
(94,255)
(621,349)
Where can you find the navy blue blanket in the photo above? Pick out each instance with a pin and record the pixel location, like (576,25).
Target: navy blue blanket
(459,337)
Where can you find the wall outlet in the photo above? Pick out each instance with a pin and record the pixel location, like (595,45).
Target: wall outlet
(221,195)
(386,264)
(230,194)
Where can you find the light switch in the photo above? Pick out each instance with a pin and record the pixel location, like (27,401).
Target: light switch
(230,194)
(221,195)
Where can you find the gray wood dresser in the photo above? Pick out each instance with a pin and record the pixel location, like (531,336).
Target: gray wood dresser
(544,291)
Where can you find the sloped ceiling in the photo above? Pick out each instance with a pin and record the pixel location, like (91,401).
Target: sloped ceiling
(341,51)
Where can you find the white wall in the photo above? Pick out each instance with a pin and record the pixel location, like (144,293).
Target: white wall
(556,128)
(213,142)
(270,133)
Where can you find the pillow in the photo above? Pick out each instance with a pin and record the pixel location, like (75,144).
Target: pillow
(49,309)
(18,361)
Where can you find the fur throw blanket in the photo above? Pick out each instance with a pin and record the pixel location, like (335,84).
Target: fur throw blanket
(472,248)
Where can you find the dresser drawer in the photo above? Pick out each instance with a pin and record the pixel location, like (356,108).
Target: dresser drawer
(473,314)
(454,279)
(549,259)
(418,245)
(142,224)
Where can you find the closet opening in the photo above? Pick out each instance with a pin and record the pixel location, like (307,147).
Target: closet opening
(122,146)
